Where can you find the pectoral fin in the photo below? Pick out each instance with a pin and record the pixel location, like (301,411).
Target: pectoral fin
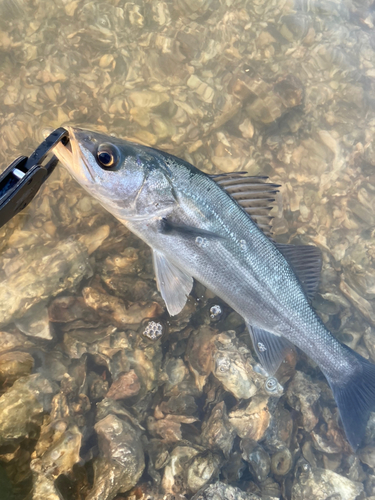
(166,226)
(271,349)
(174,285)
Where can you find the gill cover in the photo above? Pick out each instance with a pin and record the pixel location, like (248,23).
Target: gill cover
(126,178)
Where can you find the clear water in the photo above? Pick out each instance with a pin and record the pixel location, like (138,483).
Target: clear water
(277,88)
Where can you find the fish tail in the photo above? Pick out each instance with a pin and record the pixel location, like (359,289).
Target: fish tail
(355,399)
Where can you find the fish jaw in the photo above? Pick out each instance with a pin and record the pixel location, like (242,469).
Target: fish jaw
(75,157)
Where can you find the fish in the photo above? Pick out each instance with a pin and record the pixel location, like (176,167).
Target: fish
(216,229)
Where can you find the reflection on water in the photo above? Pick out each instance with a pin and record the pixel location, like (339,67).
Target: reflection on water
(280,88)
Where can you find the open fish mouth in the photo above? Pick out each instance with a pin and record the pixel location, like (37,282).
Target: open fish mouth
(73,158)
(63,152)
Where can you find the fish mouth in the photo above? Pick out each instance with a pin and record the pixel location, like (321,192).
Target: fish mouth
(74,156)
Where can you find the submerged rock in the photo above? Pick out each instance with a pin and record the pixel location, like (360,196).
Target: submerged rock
(35,323)
(323,484)
(281,462)
(44,489)
(218,432)
(14,365)
(168,428)
(36,276)
(303,395)
(233,367)
(258,459)
(202,470)
(176,469)
(121,462)
(199,354)
(22,407)
(60,456)
(114,309)
(125,386)
(221,491)
(253,420)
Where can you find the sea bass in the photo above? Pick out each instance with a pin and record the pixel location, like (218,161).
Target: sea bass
(215,229)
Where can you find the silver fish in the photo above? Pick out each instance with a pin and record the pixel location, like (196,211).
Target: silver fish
(204,227)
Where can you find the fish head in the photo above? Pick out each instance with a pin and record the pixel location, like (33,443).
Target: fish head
(128,179)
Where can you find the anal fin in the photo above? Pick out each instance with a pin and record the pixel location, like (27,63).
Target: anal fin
(271,349)
(174,285)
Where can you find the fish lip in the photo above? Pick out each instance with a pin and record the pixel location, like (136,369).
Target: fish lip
(63,153)
(78,157)
(73,157)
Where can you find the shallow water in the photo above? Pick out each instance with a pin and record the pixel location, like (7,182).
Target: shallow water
(275,87)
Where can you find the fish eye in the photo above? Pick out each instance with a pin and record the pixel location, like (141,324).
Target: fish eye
(108,156)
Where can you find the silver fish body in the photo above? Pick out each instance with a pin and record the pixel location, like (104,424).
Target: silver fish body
(244,268)
(197,230)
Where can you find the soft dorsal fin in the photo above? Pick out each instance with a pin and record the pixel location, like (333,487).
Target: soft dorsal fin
(254,194)
(306,262)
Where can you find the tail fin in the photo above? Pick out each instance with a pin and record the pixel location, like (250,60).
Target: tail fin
(355,400)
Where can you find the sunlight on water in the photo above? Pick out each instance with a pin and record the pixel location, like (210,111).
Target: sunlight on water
(94,373)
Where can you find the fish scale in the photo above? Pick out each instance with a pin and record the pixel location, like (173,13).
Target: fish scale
(197,229)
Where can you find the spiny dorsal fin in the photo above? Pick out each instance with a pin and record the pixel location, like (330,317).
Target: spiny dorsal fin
(306,262)
(254,194)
